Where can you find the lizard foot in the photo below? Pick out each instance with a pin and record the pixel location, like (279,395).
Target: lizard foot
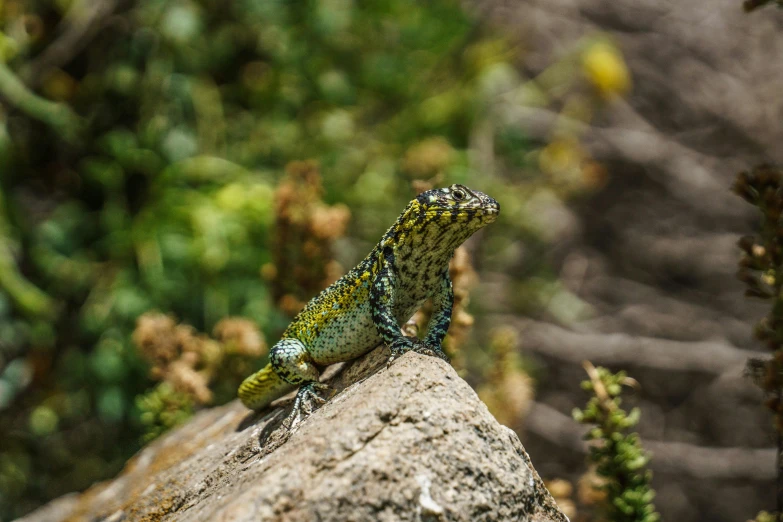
(407,344)
(307,401)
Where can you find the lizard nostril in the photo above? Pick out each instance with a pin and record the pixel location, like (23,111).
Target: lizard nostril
(492,203)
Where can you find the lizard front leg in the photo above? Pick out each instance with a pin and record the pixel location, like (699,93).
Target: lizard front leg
(442,304)
(291,361)
(382,299)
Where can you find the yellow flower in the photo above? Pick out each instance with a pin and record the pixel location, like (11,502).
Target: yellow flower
(605,68)
(561,157)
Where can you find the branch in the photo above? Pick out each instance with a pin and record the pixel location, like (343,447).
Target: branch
(80,25)
(635,296)
(31,300)
(628,351)
(676,458)
(56,115)
(687,173)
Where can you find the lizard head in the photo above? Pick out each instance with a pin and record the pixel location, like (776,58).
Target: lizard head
(468,207)
(441,219)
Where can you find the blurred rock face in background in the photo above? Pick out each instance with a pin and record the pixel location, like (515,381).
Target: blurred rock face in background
(654,253)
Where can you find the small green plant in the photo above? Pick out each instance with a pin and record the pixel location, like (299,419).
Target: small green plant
(162,408)
(765,516)
(194,369)
(617,455)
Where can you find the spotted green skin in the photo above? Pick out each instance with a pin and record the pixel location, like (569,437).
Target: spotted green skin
(367,305)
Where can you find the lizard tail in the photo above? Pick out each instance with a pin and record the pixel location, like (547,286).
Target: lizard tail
(261,388)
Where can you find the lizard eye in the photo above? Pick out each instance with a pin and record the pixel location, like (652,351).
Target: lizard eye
(458,195)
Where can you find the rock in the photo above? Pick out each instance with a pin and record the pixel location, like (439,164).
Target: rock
(411,442)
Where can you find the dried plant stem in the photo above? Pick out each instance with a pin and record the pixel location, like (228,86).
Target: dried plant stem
(761,269)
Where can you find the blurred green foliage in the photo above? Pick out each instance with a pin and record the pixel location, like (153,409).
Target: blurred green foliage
(141,145)
(618,456)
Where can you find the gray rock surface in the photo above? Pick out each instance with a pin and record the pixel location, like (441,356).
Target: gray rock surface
(409,442)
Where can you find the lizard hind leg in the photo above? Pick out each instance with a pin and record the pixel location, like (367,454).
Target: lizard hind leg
(290,360)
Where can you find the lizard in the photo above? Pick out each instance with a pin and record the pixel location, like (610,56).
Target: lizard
(366,306)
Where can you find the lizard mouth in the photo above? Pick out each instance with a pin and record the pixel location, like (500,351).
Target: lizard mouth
(490,214)
(484,214)
(465,210)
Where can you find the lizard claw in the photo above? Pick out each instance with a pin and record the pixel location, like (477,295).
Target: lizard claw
(398,348)
(439,353)
(307,401)
(406,344)
(434,351)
